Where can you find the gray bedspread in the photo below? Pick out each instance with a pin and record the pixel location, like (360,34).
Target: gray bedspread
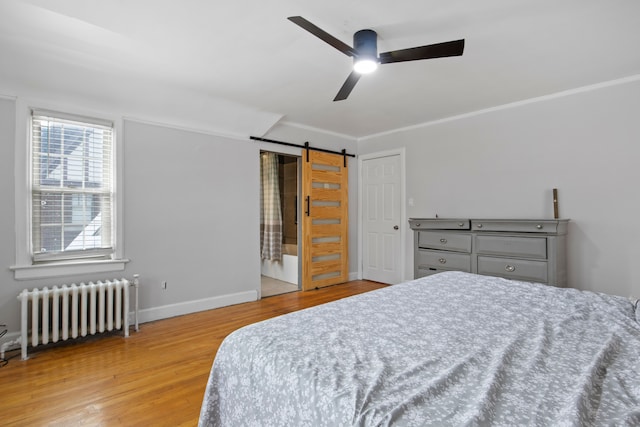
(451,349)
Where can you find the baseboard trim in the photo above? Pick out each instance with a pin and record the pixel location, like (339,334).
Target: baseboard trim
(187,307)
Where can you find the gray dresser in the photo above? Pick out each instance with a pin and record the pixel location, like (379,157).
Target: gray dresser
(521,249)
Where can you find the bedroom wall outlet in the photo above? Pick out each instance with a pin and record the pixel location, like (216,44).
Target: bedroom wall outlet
(164,284)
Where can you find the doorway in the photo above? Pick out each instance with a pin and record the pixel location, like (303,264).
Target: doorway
(279,225)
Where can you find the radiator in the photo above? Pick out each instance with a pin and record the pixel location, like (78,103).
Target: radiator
(74,311)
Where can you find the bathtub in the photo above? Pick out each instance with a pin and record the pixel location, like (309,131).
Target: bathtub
(287,270)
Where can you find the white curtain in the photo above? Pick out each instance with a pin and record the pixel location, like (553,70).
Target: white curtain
(270,211)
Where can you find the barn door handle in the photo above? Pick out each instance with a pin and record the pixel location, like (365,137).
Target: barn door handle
(307,211)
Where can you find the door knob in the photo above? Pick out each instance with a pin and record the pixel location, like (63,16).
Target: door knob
(395,227)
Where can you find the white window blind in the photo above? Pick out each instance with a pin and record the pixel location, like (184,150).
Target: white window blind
(71,187)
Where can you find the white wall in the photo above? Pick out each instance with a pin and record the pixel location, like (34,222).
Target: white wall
(191,215)
(8,288)
(505,163)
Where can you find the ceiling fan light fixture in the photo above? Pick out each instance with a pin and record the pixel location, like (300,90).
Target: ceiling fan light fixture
(366,45)
(365,65)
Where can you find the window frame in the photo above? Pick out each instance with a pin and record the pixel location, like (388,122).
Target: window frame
(25,268)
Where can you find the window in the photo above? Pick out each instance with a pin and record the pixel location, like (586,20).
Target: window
(68,207)
(72,200)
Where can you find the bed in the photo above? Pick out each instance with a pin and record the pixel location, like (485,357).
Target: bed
(449,349)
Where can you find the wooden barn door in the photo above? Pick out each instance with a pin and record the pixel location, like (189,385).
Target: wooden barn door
(325,222)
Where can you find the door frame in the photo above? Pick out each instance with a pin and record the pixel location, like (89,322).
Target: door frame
(404,224)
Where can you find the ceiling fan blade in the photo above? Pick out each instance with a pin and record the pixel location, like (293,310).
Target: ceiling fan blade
(438,50)
(323,35)
(347,87)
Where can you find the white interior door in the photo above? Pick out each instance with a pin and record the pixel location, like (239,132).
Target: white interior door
(382,225)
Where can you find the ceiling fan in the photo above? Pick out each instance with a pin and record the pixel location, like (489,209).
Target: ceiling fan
(365,52)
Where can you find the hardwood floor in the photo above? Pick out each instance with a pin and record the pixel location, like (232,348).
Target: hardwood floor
(156,377)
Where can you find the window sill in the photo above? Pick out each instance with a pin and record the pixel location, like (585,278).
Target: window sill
(67,269)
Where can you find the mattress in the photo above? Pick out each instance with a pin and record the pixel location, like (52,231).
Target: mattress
(450,349)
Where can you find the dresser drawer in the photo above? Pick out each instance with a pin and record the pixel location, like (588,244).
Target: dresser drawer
(512,246)
(459,242)
(443,260)
(439,223)
(516,225)
(519,269)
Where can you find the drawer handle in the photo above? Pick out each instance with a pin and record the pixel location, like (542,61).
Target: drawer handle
(539,226)
(461,224)
(479,225)
(442,261)
(418,224)
(443,240)
(510,268)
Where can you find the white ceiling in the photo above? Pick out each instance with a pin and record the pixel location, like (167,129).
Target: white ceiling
(241,61)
